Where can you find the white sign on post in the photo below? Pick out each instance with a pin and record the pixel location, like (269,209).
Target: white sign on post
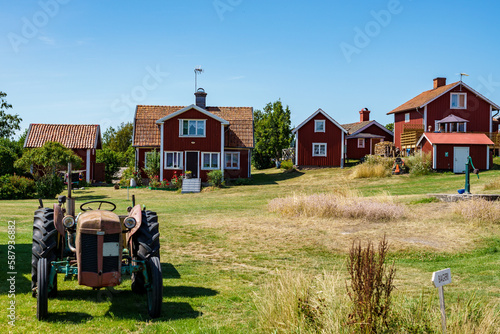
(441,278)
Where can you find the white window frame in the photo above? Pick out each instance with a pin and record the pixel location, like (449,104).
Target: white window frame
(181,128)
(231,154)
(210,159)
(318,122)
(319,154)
(407,117)
(179,160)
(458,100)
(362,142)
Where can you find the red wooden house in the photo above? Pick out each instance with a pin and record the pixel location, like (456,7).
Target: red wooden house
(84,140)
(319,141)
(363,135)
(195,138)
(454,108)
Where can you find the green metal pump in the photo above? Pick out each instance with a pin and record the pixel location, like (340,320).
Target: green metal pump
(467,174)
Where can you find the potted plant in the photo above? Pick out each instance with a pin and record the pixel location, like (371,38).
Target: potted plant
(188,174)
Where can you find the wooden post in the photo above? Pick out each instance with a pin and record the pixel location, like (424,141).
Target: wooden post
(442,307)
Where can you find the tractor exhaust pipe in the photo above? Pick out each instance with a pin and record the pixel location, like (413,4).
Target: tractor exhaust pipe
(70,201)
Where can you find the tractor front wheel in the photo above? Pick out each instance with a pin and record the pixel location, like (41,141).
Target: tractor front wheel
(42,294)
(155,290)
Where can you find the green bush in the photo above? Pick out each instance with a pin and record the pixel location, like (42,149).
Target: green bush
(49,186)
(241,182)
(419,164)
(112,161)
(287,165)
(16,187)
(129,174)
(215,178)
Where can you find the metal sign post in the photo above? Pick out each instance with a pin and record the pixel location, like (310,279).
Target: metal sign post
(440,279)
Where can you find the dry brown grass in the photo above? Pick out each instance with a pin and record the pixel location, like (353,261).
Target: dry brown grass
(365,170)
(335,205)
(478,211)
(495,184)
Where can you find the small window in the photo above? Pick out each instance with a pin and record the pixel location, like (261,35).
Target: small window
(173,160)
(210,161)
(319,126)
(319,150)
(232,160)
(407,117)
(192,128)
(458,101)
(361,143)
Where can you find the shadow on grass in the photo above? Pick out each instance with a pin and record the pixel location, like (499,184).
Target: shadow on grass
(21,267)
(168,271)
(85,198)
(69,317)
(264,178)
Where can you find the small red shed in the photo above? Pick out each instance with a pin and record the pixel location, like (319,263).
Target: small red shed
(450,150)
(319,141)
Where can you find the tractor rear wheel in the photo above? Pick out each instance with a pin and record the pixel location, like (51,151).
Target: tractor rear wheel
(155,290)
(42,294)
(44,244)
(146,244)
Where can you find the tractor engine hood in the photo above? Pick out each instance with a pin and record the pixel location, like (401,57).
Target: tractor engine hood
(98,248)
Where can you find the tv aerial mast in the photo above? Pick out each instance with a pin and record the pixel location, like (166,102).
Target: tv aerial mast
(197,70)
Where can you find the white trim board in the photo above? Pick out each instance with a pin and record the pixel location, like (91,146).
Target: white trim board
(193,106)
(314,115)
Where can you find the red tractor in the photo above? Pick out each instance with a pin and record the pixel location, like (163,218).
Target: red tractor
(98,246)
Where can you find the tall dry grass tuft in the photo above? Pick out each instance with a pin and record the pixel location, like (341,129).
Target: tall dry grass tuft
(478,211)
(365,170)
(335,205)
(295,302)
(495,184)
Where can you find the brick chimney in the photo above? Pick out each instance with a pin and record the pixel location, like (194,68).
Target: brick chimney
(201,98)
(364,115)
(438,82)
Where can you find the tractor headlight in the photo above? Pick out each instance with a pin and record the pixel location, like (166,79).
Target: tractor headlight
(129,222)
(68,221)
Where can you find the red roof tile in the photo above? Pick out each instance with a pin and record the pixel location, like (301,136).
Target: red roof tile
(422,99)
(457,138)
(239,134)
(74,136)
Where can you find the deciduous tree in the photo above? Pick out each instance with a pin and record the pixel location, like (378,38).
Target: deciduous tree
(8,123)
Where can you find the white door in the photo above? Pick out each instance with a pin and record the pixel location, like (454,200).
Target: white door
(460,155)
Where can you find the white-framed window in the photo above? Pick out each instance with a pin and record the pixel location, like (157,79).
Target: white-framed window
(173,160)
(361,143)
(458,100)
(192,127)
(232,160)
(407,117)
(210,160)
(319,149)
(319,125)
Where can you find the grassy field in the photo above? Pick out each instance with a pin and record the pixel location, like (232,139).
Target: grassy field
(221,251)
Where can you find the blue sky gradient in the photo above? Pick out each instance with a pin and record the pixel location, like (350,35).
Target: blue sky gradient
(91,62)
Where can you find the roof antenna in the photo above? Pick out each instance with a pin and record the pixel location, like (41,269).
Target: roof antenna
(197,70)
(461,75)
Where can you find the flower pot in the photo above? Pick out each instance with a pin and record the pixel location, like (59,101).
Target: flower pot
(188,176)
(133,183)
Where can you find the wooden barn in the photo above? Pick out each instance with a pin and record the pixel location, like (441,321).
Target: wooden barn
(84,140)
(455,107)
(363,135)
(319,141)
(195,138)
(450,150)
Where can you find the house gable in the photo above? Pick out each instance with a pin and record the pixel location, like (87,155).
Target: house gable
(195,107)
(326,116)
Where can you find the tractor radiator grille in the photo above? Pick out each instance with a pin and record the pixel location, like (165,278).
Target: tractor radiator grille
(89,252)
(111,263)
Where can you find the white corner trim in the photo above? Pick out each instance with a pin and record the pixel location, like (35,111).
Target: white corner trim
(342,151)
(297,148)
(88,166)
(222,153)
(487,157)
(161,152)
(491,118)
(434,152)
(425,119)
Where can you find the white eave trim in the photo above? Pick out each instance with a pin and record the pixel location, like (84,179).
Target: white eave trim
(374,122)
(193,106)
(314,115)
(421,138)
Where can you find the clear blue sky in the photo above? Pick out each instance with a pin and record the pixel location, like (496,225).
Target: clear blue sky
(87,62)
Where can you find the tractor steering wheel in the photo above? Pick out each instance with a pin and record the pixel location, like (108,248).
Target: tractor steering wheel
(100,204)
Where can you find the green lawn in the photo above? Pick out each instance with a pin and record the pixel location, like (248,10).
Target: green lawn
(220,247)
